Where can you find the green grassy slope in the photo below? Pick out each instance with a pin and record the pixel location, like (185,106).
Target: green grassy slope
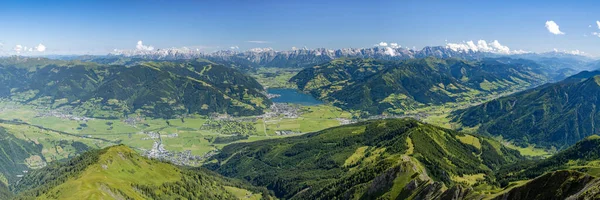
(571,174)
(4,192)
(158,89)
(400,158)
(14,154)
(583,156)
(378,86)
(120,173)
(554,185)
(553,115)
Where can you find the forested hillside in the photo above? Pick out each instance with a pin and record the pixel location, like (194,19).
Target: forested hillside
(377,86)
(552,115)
(15,156)
(120,173)
(392,159)
(157,89)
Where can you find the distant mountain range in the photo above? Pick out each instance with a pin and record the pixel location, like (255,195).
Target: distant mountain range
(306,57)
(552,115)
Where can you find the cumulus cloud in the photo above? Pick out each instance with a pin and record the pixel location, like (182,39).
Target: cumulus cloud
(258,41)
(140,46)
(258,50)
(390,51)
(392,45)
(483,46)
(553,28)
(18,48)
(596,33)
(576,52)
(234,47)
(294,48)
(573,52)
(40,48)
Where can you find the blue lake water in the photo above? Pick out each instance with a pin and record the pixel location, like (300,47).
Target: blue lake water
(293,96)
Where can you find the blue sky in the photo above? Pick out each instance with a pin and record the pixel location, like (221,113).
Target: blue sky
(98,27)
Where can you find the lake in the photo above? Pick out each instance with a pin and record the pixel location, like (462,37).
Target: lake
(293,96)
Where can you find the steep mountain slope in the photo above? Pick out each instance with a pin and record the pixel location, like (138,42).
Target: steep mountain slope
(157,89)
(392,159)
(552,115)
(380,86)
(584,156)
(4,192)
(554,185)
(570,173)
(120,173)
(15,156)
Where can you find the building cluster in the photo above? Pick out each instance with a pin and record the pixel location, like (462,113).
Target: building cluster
(62,115)
(132,121)
(186,157)
(286,132)
(283,109)
(272,96)
(345,121)
(151,136)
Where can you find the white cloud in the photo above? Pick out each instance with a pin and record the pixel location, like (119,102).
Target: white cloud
(385,44)
(294,48)
(18,48)
(553,28)
(598,24)
(40,48)
(258,50)
(390,51)
(234,47)
(258,41)
(573,52)
(596,34)
(576,52)
(483,46)
(140,46)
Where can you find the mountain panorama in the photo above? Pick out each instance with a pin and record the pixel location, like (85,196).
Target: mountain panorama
(269,57)
(86,115)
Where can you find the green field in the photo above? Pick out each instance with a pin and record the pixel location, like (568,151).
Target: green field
(26,122)
(275,77)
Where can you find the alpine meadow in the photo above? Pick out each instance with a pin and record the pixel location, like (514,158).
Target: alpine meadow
(331,100)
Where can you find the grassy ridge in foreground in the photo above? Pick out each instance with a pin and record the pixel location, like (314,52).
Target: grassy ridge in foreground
(120,173)
(396,158)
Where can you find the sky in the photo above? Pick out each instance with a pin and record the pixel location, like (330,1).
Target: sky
(36,27)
